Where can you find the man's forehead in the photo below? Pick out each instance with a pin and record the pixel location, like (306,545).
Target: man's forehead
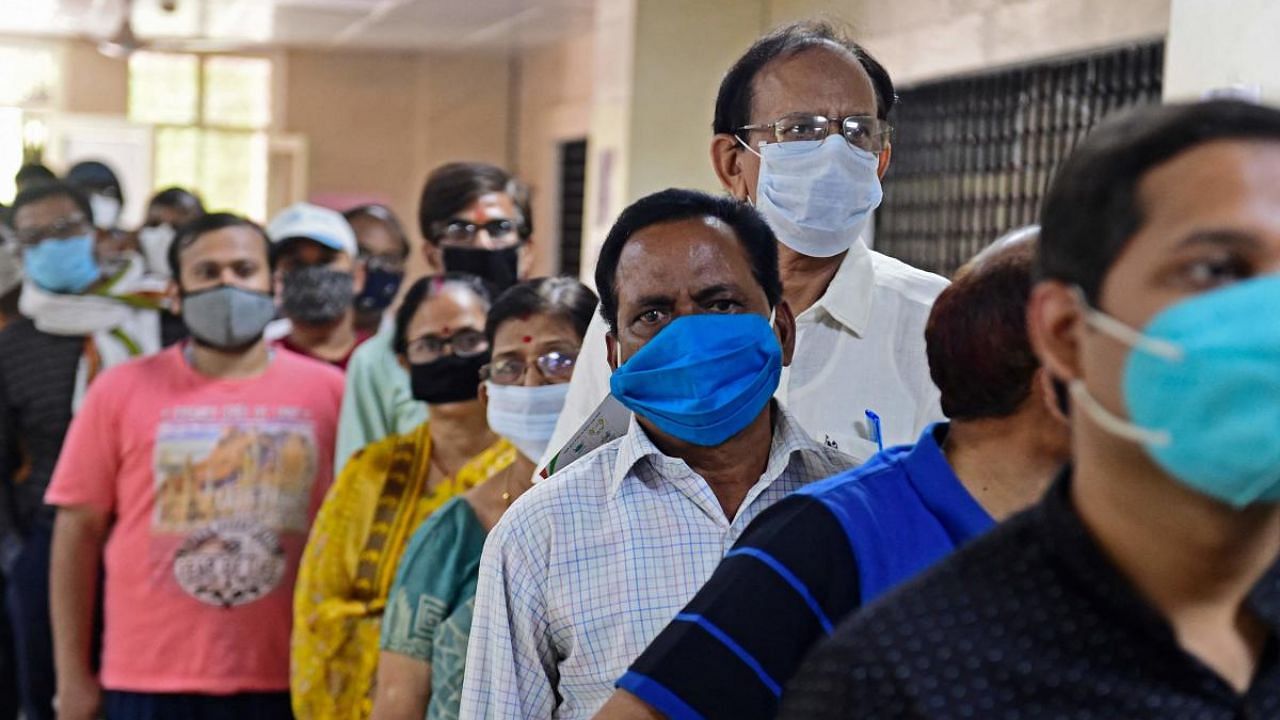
(825,79)
(669,253)
(1213,179)
(44,210)
(229,240)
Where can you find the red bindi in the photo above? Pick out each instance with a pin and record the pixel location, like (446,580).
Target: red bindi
(527,339)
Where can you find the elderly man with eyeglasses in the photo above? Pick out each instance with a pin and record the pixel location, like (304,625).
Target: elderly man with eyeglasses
(802,131)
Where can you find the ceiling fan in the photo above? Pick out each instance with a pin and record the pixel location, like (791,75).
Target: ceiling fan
(124,41)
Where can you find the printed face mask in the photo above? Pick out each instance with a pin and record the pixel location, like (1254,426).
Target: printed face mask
(227,317)
(817,195)
(62,265)
(1202,389)
(526,415)
(702,378)
(380,288)
(315,295)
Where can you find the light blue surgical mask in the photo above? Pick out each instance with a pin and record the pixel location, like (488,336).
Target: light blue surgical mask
(526,415)
(1202,389)
(817,195)
(702,378)
(62,265)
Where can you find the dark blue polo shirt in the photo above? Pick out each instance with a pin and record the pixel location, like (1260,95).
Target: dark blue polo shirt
(797,571)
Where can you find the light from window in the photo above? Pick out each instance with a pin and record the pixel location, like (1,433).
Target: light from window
(237,92)
(210,114)
(28,76)
(164,88)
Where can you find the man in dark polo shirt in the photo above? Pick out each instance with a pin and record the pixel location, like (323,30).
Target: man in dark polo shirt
(1145,585)
(821,553)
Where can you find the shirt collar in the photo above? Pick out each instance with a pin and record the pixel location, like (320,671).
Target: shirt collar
(940,490)
(789,440)
(848,296)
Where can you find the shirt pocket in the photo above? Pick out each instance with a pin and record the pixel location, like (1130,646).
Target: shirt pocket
(850,443)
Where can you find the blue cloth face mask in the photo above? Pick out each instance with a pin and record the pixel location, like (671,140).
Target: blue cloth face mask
(817,195)
(1202,388)
(702,378)
(60,265)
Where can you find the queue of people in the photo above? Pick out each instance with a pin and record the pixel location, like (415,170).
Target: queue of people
(761,471)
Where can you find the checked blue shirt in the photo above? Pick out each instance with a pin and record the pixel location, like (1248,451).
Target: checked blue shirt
(588,566)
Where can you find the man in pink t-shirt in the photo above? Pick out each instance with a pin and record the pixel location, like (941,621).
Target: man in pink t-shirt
(192,476)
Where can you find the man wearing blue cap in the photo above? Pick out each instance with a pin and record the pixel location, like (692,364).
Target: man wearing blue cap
(317,279)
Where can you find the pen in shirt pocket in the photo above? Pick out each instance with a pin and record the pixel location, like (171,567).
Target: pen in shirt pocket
(873,424)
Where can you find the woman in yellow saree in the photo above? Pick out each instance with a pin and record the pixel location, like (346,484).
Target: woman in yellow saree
(385,491)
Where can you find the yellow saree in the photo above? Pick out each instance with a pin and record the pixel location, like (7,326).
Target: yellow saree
(350,562)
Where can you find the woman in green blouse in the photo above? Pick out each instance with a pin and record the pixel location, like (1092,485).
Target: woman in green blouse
(535,330)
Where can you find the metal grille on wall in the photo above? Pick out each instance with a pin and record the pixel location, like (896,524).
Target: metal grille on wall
(972,157)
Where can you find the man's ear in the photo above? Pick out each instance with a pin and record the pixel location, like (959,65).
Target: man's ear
(885,155)
(525,260)
(1054,321)
(358,277)
(1052,394)
(173,297)
(611,350)
(726,160)
(784,326)
(435,259)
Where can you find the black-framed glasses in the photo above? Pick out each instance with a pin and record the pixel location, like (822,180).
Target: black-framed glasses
(866,132)
(463,232)
(464,343)
(67,227)
(556,366)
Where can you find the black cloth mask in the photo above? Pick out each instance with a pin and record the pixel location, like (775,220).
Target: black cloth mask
(449,379)
(500,268)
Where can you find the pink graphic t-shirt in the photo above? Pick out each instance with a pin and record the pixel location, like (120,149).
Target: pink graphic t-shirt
(213,485)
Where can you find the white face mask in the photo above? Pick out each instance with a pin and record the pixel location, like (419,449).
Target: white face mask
(106,211)
(817,196)
(155,242)
(526,415)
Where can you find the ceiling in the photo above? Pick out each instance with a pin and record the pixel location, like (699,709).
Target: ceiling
(371,24)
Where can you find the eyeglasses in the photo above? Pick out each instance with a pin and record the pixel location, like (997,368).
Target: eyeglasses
(461,232)
(429,348)
(385,263)
(69,226)
(866,132)
(554,366)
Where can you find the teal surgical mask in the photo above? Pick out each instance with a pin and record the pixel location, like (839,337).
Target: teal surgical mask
(1202,389)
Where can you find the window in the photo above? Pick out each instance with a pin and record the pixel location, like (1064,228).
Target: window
(211,115)
(29,75)
(972,157)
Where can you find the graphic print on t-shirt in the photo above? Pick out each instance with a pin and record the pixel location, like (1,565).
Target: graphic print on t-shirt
(231,480)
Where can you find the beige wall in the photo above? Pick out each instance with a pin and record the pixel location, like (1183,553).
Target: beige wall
(1210,48)
(924,39)
(658,66)
(92,82)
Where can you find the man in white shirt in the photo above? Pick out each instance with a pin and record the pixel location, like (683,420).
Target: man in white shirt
(780,116)
(584,570)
